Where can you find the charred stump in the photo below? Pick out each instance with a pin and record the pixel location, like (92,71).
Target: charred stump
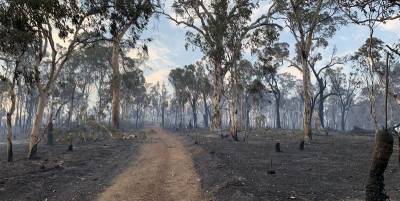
(301,147)
(50,133)
(375,188)
(278,147)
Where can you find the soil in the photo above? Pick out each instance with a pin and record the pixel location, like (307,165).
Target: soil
(332,167)
(163,165)
(153,166)
(60,174)
(164,171)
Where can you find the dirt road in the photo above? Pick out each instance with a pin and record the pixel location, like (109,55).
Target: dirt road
(163,171)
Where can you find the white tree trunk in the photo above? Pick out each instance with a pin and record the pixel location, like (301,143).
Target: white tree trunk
(34,135)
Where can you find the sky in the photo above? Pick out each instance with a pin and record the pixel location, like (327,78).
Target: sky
(167,50)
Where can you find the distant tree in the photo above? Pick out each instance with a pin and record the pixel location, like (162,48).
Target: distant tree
(133,88)
(178,81)
(164,103)
(192,81)
(322,85)
(213,26)
(345,89)
(270,58)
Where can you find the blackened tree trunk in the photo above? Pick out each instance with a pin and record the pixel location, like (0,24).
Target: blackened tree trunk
(307,99)
(163,115)
(321,101)
(218,81)
(194,111)
(277,109)
(205,116)
(50,127)
(375,188)
(137,116)
(71,107)
(343,119)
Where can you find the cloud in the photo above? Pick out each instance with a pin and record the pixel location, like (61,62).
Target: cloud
(293,71)
(160,75)
(391,26)
(262,9)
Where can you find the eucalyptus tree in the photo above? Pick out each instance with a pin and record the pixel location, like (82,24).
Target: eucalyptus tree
(322,84)
(154,98)
(345,87)
(164,103)
(15,39)
(311,23)
(177,79)
(123,19)
(217,28)
(205,88)
(133,88)
(368,59)
(270,58)
(192,82)
(49,21)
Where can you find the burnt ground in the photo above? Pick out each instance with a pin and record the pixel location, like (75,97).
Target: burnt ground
(332,167)
(63,175)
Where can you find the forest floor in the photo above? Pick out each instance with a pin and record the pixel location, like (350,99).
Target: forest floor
(60,174)
(162,165)
(153,166)
(333,167)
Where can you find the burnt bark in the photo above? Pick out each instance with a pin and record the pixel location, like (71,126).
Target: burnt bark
(307,100)
(205,116)
(217,94)
(115,84)
(277,109)
(375,188)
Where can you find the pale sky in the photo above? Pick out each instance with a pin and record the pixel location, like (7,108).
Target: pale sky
(167,50)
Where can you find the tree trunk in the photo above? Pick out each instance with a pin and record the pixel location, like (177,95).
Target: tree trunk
(71,108)
(34,135)
(234,118)
(216,97)
(50,127)
(205,116)
(137,116)
(9,126)
(343,119)
(277,109)
(375,188)
(321,105)
(307,100)
(163,115)
(194,111)
(115,84)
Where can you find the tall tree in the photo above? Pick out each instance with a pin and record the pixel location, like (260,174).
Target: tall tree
(126,19)
(311,24)
(211,24)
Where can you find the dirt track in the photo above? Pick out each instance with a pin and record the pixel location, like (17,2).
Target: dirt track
(163,171)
